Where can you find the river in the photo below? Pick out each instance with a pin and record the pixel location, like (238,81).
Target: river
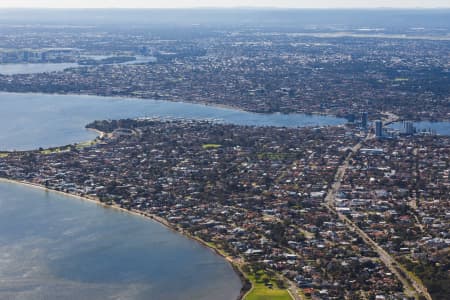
(35,68)
(29,121)
(58,247)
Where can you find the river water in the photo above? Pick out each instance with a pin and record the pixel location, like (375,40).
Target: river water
(35,68)
(11,69)
(29,121)
(57,247)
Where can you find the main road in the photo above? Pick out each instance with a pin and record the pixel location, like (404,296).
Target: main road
(412,286)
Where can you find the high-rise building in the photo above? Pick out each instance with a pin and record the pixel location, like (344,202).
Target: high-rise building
(351,118)
(378,128)
(364,119)
(408,127)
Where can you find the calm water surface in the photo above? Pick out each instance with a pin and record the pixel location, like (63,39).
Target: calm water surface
(34,68)
(58,247)
(29,121)
(55,247)
(11,69)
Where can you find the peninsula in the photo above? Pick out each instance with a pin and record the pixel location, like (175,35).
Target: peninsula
(257,195)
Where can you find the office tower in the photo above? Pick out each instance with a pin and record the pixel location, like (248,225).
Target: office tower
(364,119)
(378,128)
(408,127)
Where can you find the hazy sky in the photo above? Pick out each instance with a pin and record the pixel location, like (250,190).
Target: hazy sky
(223,3)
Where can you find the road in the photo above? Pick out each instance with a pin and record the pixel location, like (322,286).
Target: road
(293,291)
(411,286)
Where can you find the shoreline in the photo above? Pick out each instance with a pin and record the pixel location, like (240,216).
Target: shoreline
(100,133)
(201,103)
(207,104)
(244,281)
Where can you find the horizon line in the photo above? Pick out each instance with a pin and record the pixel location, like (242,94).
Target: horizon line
(239,7)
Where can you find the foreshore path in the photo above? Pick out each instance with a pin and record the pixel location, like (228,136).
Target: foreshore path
(294,291)
(412,286)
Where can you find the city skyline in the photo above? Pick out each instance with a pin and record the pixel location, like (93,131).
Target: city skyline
(250,152)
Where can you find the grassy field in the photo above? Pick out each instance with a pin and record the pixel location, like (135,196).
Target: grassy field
(262,292)
(78,146)
(86,144)
(54,150)
(3,155)
(211,146)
